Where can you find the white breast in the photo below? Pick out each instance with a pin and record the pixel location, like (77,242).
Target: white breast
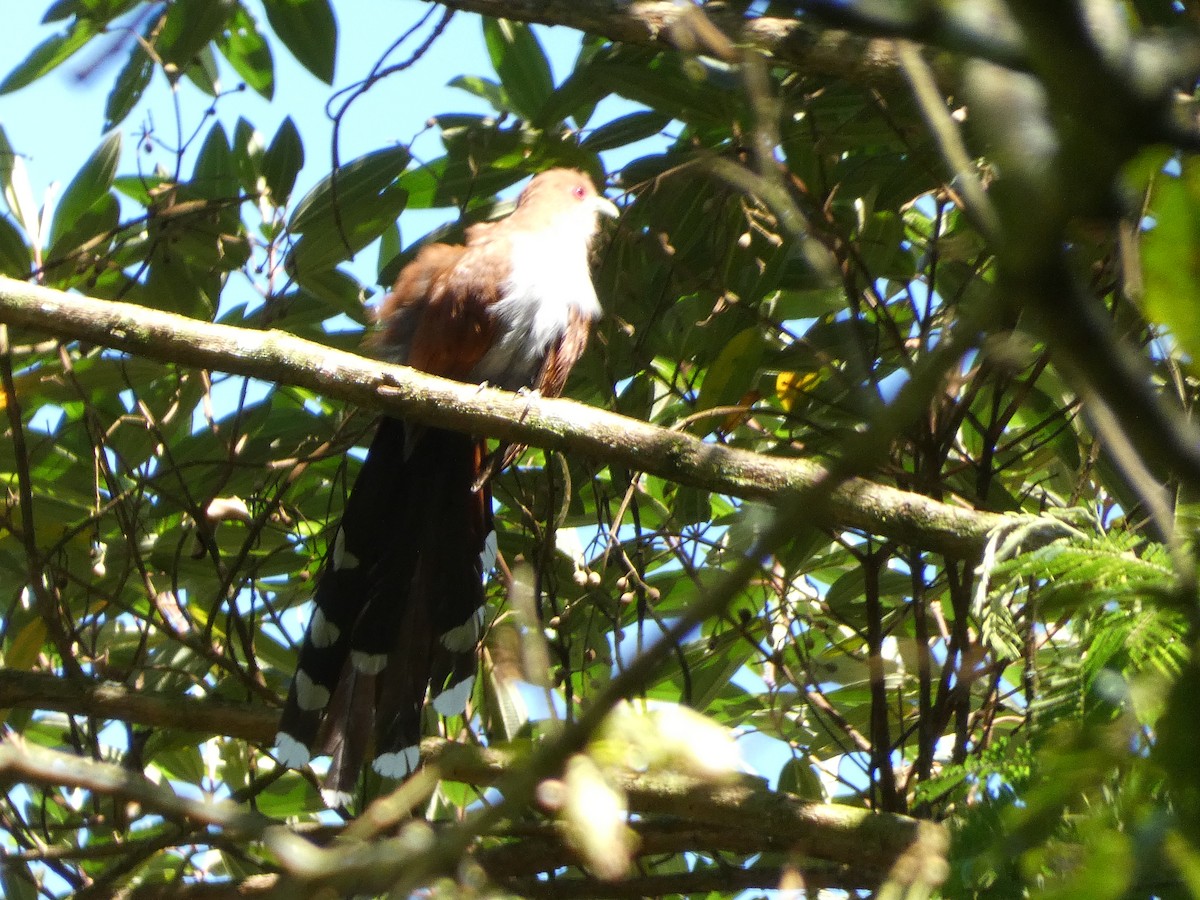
(549,278)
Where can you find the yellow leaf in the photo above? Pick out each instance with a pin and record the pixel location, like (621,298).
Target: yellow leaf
(790,386)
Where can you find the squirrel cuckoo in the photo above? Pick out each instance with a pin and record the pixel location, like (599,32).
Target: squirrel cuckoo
(400,603)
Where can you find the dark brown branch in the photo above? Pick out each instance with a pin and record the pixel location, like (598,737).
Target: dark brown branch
(902,516)
(107,700)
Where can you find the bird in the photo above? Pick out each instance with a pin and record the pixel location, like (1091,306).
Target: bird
(399,606)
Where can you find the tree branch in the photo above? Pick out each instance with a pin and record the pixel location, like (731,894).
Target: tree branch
(871,841)
(807,44)
(905,517)
(22,762)
(678,811)
(108,700)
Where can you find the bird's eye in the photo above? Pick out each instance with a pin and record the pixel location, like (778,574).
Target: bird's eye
(578,192)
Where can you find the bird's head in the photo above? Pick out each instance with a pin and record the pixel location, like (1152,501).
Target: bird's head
(564,202)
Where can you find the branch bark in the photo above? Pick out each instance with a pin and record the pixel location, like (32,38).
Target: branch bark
(25,763)
(108,700)
(862,50)
(870,841)
(902,516)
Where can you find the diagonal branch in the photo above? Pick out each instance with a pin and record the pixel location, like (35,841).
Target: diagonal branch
(26,763)
(905,517)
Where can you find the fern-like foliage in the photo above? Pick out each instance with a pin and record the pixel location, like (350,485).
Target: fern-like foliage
(1105,606)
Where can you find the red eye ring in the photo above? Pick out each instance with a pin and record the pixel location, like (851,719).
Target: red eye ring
(578,192)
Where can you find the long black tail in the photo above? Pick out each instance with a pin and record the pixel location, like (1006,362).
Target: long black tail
(399,607)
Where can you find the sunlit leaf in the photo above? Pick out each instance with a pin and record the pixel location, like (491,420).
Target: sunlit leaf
(18,193)
(203,71)
(790,387)
(248,52)
(339,217)
(90,183)
(1171,257)
(354,181)
(485,89)
(519,60)
(26,646)
(248,154)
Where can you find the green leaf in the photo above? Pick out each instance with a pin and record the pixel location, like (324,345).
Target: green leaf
(798,777)
(368,200)
(309,30)
(788,305)
(357,180)
(90,183)
(688,505)
(711,665)
(287,796)
(694,91)
(189,27)
(518,59)
(60,10)
(248,52)
(1171,257)
(389,246)
(248,152)
(15,256)
(579,92)
(847,596)
(49,55)
(203,71)
(880,247)
(333,240)
(100,219)
(447,182)
(626,130)
(283,161)
(732,372)
(485,89)
(339,291)
(18,193)
(128,87)
(173,286)
(215,173)
(576,97)
(142,189)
